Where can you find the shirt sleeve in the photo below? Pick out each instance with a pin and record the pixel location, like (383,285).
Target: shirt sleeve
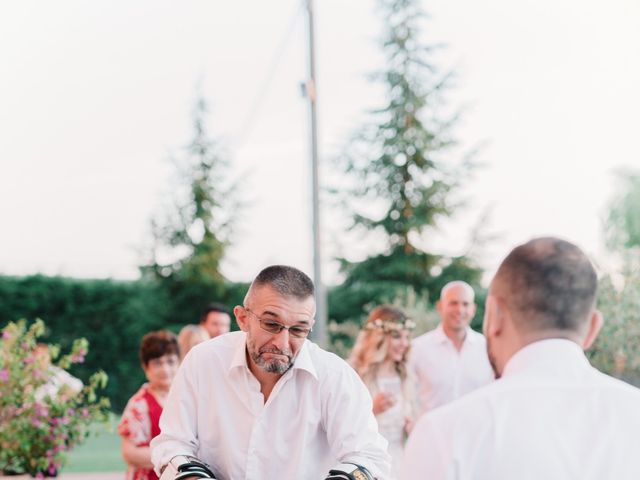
(178,422)
(352,430)
(135,424)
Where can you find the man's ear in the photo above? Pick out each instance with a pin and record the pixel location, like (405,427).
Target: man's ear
(595,324)
(494,317)
(474,308)
(241,317)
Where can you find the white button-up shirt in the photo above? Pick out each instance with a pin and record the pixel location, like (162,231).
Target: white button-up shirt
(318,415)
(443,373)
(551,416)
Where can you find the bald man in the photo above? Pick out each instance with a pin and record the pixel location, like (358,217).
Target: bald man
(550,415)
(451,360)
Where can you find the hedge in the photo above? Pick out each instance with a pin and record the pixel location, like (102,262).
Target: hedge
(112,315)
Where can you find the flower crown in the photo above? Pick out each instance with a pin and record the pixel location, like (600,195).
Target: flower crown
(390,325)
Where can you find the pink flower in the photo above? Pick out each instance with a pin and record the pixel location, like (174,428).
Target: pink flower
(6,335)
(40,409)
(4,375)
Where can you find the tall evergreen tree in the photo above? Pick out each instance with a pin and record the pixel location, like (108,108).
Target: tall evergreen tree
(191,237)
(622,227)
(400,167)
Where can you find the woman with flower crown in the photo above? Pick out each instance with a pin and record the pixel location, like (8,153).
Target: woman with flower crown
(380,357)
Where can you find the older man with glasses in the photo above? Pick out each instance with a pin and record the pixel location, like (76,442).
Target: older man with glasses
(266,403)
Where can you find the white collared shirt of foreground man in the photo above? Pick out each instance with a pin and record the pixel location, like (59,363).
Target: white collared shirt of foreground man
(317,414)
(550,415)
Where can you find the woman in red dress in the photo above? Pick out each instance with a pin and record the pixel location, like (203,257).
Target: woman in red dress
(159,356)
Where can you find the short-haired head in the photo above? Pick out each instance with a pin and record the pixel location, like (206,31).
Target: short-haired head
(213,307)
(189,337)
(457,284)
(548,284)
(287,281)
(158,344)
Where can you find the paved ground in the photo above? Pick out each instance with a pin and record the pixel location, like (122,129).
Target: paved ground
(76,476)
(92,476)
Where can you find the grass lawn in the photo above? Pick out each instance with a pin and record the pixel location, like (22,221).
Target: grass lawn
(99,453)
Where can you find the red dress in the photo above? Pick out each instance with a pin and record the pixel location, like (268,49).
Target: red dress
(139,424)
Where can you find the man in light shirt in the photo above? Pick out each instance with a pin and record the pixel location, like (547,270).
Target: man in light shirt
(215,320)
(451,360)
(265,403)
(550,415)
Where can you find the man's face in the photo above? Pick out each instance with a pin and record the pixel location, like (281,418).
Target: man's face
(217,323)
(274,352)
(398,343)
(456,308)
(160,371)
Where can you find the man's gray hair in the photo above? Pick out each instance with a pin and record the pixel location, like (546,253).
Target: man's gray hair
(287,281)
(457,283)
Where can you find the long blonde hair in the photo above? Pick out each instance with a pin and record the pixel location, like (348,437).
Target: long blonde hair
(370,349)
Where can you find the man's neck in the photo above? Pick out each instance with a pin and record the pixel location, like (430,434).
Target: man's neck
(457,337)
(159,393)
(266,380)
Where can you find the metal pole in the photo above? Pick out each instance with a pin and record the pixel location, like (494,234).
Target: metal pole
(320,328)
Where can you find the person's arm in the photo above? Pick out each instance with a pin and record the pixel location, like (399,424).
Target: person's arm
(178,426)
(139,457)
(382,402)
(352,430)
(134,430)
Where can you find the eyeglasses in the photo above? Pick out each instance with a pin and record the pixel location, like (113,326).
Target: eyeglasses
(274,327)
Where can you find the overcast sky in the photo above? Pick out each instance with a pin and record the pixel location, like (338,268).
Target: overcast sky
(95,95)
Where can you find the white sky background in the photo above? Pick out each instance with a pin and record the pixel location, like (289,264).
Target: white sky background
(94,96)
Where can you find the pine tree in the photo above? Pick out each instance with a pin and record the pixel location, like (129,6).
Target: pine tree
(191,237)
(401,164)
(622,227)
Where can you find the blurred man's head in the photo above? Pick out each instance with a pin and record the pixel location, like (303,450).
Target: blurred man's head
(543,289)
(456,307)
(215,319)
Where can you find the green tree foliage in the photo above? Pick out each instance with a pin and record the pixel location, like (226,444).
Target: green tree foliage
(400,166)
(617,348)
(190,239)
(623,222)
(113,316)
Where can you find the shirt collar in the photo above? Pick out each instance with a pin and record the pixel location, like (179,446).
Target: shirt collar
(302,361)
(553,354)
(441,337)
(239,358)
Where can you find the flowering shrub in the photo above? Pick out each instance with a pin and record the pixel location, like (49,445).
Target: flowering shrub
(617,348)
(44,411)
